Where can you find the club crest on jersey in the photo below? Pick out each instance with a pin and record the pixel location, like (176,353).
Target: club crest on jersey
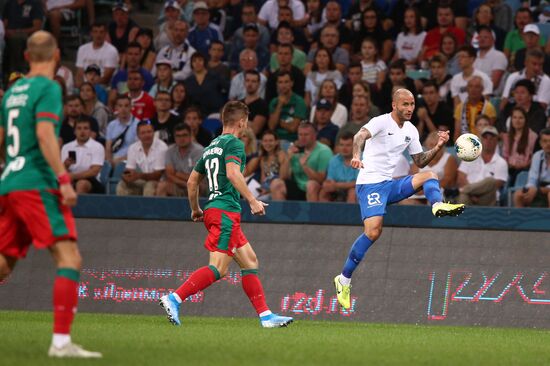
(407,139)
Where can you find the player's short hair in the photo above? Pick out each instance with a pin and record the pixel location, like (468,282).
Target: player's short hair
(233,111)
(41,46)
(346,136)
(182,127)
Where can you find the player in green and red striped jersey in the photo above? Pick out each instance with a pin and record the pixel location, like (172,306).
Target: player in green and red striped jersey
(35,189)
(223,162)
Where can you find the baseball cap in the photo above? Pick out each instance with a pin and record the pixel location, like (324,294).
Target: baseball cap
(172,4)
(163,61)
(121,6)
(490,129)
(531,28)
(200,5)
(251,26)
(324,104)
(93,68)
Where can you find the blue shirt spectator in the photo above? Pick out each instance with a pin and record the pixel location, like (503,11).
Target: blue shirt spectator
(116,128)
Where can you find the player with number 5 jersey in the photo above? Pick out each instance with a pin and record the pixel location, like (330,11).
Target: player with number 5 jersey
(376,149)
(35,189)
(223,162)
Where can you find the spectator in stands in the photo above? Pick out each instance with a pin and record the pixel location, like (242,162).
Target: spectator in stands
(204,89)
(482,121)
(397,75)
(503,14)
(523,97)
(323,69)
(532,39)
(203,32)
(474,105)
(143,106)
(83,159)
(329,91)
(445,21)
(247,61)
(329,39)
(193,118)
(315,21)
(409,42)
(340,182)
(355,13)
(362,88)
(483,18)
(249,16)
(302,175)
(119,84)
(93,107)
(180,161)
(441,78)
(333,16)
(449,48)
(353,76)
(165,80)
(480,180)
(284,62)
(148,56)
(176,9)
(514,39)
(443,164)
(179,52)
(490,61)
(518,144)
(433,114)
(359,116)
(92,74)
(299,38)
(466,57)
(74,111)
(145,165)
(251,41)
(97,52)
(180,101)
(21,19)
(284,36)
(536,192)
(373,68)
(271,158)
(326,130)
(59,10)
(121,132)
(371,28)
(533,71)
(251,151)
(215,64)
(122,29)
(258,108)
(164,120)
(218,14)
(286,110)
(171,13)
(270,10)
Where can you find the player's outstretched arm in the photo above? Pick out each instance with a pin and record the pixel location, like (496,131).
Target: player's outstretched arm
(422,159)
(47,141)
(193,195)
(237,180)
(358,145)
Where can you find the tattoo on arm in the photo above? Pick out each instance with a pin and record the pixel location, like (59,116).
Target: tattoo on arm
(422,159)
(359,141)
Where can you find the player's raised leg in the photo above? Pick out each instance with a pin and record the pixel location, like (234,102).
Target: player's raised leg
(252,286)
(429,182)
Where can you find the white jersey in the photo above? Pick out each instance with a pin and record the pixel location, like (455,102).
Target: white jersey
(384,148)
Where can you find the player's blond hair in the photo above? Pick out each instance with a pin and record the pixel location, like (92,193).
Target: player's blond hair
(234,111)
(41,47)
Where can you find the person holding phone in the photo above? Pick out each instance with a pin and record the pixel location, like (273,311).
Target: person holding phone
(83,159)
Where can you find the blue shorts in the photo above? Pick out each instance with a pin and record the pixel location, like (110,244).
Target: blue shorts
(373,198)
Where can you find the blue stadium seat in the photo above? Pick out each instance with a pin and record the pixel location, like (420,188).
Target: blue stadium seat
(105,173)
(115,178)
(418,74)
(521,181)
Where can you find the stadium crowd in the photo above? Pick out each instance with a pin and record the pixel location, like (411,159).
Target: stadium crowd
(142,103)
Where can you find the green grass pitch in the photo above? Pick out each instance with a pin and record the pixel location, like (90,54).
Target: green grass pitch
(151,340)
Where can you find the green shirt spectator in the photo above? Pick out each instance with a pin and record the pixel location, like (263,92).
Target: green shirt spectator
(318,160)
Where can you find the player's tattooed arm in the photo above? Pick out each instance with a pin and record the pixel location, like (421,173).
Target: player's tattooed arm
(359,141)
(422,159)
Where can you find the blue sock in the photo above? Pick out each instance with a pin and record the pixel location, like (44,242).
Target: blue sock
(432,191)
(356,254)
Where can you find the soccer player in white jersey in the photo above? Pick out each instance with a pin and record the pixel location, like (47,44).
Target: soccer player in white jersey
(376,149)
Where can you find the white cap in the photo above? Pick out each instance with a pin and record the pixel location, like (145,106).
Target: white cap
(531,28)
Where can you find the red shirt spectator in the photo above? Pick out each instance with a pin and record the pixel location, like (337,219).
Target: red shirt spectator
(445,20)
(143,105)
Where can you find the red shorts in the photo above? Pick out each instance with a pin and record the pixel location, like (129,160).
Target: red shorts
(224,231)
(33,217)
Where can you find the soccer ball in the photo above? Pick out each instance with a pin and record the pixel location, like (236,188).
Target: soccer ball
(468,147)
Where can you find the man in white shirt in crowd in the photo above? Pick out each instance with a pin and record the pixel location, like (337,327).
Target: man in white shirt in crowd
(479,180)
(145,165)
(180,161)
(83,159)
(180,52)
(489,60)
(269,12)
(466,57)
(98,52)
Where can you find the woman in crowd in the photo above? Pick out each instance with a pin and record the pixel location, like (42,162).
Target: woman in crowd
(323,69)
(180,101)
(93,107)
(518,144)
(448,48)
(409,42)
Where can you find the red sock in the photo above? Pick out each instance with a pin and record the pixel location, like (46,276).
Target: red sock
(199,280)
(65,298)
(254,290)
